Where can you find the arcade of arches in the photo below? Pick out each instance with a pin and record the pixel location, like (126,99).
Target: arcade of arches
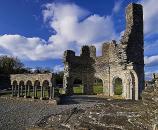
(28,85)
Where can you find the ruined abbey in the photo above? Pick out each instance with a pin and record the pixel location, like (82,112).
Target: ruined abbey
(123,60)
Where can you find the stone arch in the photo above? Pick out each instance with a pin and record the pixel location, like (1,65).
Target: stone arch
(78,85)
(29,83)
(36,88)
(15,83)
(46,88)
(117,86)
(21,83)
(28,86)
(45,83)
(133,85)
(36,83)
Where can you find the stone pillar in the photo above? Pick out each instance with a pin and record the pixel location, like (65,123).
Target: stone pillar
(41,93)
(68,86)
(105,87)
(28,91)
(35,91)
(51,92)
(15,91)
(111,88)
(21,90)
(25,96)
(18,95)
(12,90)
(88,89)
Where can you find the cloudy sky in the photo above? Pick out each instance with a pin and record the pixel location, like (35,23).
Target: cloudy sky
(38,31)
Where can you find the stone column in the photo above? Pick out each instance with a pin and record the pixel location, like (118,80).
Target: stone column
(35,91)
(69,85)
(51,92)
(41,93)
(12,90)
(28,91)
(21,90)
(88,89)
(15,91)
(25,91)
(18,95)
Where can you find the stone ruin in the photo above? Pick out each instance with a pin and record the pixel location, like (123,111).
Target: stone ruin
(124,60)
(150,93)
(25,84)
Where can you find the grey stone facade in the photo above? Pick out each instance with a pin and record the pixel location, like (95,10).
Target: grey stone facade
(124,60)
(24,84)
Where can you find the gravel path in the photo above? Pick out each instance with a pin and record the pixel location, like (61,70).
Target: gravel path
(19,114)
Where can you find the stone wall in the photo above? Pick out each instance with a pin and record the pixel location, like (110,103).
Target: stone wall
(124,60)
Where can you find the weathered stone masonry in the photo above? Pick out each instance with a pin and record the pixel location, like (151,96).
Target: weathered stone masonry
(24,84)
(124,60)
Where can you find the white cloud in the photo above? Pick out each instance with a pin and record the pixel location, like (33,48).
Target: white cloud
(117,6)
(58,68)
(27,48)
(151,60)
(150,10)
(150,16)
(66,20)
(151,52)
(149,74)
(74,27)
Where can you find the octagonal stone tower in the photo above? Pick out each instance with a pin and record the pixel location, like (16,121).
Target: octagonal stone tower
(124,60)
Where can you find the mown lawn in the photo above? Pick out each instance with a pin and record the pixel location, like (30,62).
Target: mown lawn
(97,89)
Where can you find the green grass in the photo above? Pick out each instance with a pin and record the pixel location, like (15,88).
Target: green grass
(98,89)
(118,87)
(8,93)
(78,90)
(39,93)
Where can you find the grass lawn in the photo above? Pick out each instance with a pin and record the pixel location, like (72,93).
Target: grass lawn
(97,89)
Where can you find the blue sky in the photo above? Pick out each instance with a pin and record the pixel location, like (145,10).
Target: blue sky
(38,31)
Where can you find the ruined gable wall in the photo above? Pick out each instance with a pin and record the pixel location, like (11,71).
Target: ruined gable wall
(133,38)
(132,42)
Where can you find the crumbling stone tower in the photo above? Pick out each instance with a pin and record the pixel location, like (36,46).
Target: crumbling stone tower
(124,60)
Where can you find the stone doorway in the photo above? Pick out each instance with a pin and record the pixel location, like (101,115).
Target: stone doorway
(117,86)
(78,87)
(98,86)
